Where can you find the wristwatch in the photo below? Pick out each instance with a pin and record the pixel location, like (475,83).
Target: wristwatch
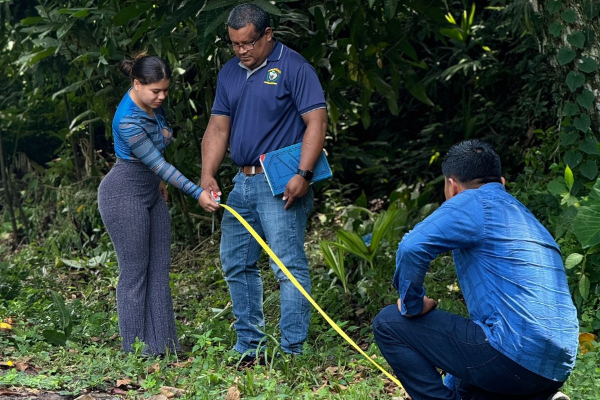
(308,175)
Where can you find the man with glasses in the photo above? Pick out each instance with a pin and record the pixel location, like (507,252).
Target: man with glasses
(268,97)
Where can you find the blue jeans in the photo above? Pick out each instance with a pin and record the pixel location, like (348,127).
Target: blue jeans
(284,231)
(415,347)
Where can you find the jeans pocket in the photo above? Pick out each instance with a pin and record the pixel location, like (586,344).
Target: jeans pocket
(497,377)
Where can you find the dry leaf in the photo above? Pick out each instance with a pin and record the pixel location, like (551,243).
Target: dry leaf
(332,370)
(233,393)
(585,342)
(114,336)
(171,392)
(158,397)
(118,391)
(153,368)
(85,397)
(95,339)
(21,366)
(123,382)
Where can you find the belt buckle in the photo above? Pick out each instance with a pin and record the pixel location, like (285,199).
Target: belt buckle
(253,170)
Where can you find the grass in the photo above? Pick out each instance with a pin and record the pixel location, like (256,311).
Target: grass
(91,359)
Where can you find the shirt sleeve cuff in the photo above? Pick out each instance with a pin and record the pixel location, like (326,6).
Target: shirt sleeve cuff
(411,297)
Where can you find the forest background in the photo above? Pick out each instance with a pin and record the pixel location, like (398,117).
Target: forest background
(403,80)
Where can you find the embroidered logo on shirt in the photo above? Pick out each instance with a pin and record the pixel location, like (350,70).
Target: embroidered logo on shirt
(272,76)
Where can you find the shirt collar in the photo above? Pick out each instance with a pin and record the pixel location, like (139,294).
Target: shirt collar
(274,56)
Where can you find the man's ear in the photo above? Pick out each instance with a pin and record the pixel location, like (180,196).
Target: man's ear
(503,181)
(454,187)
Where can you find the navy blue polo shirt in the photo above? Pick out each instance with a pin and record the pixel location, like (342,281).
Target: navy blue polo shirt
(266,105)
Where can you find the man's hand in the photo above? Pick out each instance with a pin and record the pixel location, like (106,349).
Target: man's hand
(162,187)
(296,187)
(428,305)
(208,202)
(209,183)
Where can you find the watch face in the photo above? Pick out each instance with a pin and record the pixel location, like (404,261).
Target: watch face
(305,174)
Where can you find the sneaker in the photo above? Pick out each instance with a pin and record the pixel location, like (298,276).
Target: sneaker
(559,396)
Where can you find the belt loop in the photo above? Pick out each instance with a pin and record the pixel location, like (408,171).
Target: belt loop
(253,170)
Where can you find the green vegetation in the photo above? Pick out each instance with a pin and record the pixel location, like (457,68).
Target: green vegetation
(403,80)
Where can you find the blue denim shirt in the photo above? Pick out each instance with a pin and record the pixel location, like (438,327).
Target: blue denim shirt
(510,271)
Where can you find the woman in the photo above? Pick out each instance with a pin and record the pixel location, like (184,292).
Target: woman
(132,204)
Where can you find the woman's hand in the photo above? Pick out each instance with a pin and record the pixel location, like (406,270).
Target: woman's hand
(162,187)
(208,202)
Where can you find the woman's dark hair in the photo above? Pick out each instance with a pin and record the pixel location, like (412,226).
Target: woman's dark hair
(247,13)
(146,69)
(472,161)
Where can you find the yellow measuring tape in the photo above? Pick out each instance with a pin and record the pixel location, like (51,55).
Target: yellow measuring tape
(301,289)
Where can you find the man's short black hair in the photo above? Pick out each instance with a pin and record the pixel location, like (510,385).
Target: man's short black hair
(472,161)
(248,13)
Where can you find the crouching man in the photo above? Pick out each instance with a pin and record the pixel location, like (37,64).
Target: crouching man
(520,340)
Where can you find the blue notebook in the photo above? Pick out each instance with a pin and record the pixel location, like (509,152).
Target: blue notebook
(281,165)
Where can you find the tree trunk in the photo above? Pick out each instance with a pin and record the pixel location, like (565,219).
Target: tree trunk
(585,20)
(7,194)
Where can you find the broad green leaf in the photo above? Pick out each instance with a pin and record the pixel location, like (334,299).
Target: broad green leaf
(588,65)
(71,88)
(566,55)
(591,8)
(64,319)
(220,20)
(556,188)
(81,14)
(583,123)
(584,286)
(569,178)
(390,8)
(585,99)
(589,145)
(555,29)
(595,192)
(587,225)
(131,13)
(31,20)
(72,263)
(575,81)
(407,49)
(589,169)
(573,260)
(353,241)
(384,221)
(268,7)
(143,28)
(54,337)
(569,16)
(570,109)
(565,221)
(576,39)
(567,138)
(362,200)
(453,33)
(554,6)
(572,159)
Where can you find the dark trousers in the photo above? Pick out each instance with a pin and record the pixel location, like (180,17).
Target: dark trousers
(416,347)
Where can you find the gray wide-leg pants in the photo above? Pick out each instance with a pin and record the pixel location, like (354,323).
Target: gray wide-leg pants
(138,222)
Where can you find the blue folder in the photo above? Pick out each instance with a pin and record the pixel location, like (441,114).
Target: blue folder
(281,165)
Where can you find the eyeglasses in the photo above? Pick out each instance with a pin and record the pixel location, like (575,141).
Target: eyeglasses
(247,46)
